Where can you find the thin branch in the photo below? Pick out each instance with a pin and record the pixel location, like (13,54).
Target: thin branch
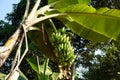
(12,71)
(17,53)
(26,50)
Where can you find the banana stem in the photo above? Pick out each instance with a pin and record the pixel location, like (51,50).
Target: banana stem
(10,44)
(53,25)
(36,20)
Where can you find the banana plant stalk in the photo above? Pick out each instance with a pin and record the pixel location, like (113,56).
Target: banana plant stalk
(28,21)
(10,44)
(16,37)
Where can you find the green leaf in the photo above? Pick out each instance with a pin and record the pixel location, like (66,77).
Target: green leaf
(71,1)
(55,76)
(43,77)
(84,1)
(109,12)
(65,3)
(2,76)
(86,33)
(100,24)
(22,76)
(105,25)
(51,1)
(48,70)
(33,63)
(40,41)
(78,8)
(102,10)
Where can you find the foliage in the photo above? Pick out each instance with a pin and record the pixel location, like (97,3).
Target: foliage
(106,3)
(84,20)
(106,64)
(43,70)
(100,18)
(2,76)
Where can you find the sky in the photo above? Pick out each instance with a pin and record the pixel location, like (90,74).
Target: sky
(6,7)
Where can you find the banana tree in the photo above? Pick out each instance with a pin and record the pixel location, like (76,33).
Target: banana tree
(98,25)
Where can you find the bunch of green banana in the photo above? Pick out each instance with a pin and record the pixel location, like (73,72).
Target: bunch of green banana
(63,50)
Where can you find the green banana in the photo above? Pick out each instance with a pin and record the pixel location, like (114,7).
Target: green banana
(62,47)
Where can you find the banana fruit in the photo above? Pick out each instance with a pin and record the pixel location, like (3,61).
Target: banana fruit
(63,49)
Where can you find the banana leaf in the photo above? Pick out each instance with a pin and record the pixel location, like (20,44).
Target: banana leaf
(2,76)
(96,25)
(33,64)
